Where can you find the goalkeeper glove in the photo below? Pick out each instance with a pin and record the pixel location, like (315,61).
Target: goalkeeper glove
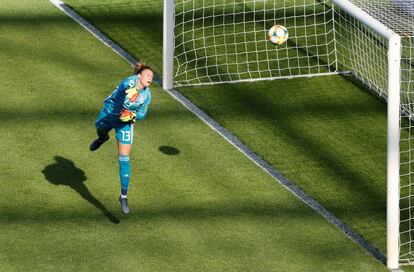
(127,116)
(132,94)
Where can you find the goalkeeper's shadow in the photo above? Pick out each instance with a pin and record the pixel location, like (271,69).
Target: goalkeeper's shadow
(64,172)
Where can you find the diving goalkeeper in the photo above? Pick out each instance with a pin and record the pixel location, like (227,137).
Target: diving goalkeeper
(127,103)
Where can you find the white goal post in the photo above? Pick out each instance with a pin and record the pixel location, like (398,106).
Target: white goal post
(224,41)
(393,127)
(168,45)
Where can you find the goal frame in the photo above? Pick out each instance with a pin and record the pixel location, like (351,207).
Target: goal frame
(393,126)
(168,45)
(393,107)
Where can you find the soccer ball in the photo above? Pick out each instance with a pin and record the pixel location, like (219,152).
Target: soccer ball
(278,34)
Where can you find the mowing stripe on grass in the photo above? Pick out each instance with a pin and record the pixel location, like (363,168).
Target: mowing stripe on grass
(317,207)
(93,30)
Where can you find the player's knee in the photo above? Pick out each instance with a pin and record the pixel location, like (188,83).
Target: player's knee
(124,149)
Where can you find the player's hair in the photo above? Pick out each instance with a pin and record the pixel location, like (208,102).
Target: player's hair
(141,66)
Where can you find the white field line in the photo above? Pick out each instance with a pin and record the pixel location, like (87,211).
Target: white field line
(317,207)
(181,84)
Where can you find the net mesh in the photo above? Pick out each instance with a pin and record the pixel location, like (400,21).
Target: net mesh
(361,51)
(220,41)
(406,153)
(398,15)
(226,40)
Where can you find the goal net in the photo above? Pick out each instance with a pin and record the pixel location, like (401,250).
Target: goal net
(219,41)
(406,150)
(225,41)
(364,52)
(398,15)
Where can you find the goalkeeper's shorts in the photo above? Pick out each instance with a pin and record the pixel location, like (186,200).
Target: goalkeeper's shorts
(124,132)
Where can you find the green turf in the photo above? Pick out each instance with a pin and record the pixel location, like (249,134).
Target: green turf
(324,134)
(207,208)
(133,24)
(328,135)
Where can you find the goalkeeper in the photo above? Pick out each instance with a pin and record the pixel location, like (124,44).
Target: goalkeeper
(127,103)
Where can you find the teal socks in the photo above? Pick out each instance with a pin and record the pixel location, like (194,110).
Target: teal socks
(124,173)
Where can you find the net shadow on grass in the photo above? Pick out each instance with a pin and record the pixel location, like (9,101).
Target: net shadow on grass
(64,172)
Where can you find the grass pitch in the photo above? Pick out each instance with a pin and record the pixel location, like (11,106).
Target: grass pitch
(197,204)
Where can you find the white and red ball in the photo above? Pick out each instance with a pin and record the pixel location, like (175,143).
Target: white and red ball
(278,34)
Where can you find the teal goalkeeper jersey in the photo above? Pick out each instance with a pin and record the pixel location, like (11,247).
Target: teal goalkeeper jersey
(125,96)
